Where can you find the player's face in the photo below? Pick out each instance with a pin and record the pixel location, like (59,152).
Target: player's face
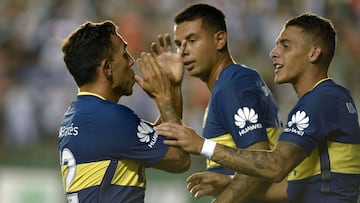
(121,67)
(199,56)
(290,55)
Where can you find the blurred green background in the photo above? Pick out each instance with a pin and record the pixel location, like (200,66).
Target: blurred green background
(35,88)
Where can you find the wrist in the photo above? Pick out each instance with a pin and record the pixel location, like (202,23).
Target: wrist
(208,148)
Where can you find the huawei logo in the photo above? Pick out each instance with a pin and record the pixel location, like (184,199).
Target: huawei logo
(144,132)
(243,115)
(300,120)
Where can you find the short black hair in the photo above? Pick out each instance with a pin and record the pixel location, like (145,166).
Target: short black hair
(321,29)
(212,18)
(86,47)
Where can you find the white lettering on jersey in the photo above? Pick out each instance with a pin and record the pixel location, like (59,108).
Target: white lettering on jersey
(246,115)
(298,123)
(144,132)
(68,130)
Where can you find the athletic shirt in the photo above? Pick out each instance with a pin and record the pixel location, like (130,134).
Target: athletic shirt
(326,115)
(104,148)
(241,112)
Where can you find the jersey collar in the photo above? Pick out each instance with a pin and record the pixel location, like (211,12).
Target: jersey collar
(90,93)
(320,81)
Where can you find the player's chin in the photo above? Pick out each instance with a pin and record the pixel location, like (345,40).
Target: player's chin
(279,80)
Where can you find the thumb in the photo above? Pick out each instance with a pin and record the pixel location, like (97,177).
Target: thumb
(139,81)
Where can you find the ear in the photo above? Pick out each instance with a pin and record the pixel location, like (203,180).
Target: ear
(221,39)
(314,54)
(105,67)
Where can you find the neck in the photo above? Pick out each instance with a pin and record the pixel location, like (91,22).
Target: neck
(216,70)
(301,88)
(105,93)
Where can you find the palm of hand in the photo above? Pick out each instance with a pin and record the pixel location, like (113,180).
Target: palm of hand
(172,64)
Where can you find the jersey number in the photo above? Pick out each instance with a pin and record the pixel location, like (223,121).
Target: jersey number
(68,160)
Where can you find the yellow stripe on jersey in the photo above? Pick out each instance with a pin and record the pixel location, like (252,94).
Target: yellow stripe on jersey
(126,174)
(273,136)
(344,158)
(87,175)
(225,140)
(91,174)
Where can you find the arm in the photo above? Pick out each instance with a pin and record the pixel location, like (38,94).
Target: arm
(270,165)
(156,83)
(242,186)
(171,63)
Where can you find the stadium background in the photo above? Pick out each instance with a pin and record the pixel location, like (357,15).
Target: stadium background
(35,88)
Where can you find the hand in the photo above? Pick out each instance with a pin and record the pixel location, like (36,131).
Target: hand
(169,60)
(207,183)
(154,80)
(181,136)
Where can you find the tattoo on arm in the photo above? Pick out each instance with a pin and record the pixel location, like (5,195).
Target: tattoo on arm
(261,163)
(168,113)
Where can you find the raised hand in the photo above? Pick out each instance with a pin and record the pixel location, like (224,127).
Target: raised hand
(167,58)
(155,81)
(207,183)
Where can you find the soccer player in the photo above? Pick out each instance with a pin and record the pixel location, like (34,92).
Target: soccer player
(242,112)
(319,150)
(104,146)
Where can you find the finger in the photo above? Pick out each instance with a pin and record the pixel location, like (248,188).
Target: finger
(168,42)
(154,49)
(148,68)
(202,193)
(140,64)
(199,191)
(165,126)
(195,178)
(139,80)
(155,67)
(161,43)
(172,143)
(182,47)
(191,184)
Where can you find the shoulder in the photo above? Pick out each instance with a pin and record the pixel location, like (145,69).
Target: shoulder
(234,71)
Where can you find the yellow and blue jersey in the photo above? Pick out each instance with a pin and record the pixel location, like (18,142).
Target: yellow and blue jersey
(104,150)
(325,124)
(241,112)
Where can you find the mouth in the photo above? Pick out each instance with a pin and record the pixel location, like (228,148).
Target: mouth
(189,65)
(277,67)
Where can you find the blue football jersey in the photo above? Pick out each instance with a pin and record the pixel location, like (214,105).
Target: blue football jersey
(326,115)
(104,148)
(241,112)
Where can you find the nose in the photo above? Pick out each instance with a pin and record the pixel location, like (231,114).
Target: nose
(273,53)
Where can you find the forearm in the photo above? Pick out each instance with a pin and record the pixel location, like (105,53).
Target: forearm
(178,101)
(167,110)
(242,186)
(262,164)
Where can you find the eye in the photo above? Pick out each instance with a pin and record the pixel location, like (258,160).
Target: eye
(192,40)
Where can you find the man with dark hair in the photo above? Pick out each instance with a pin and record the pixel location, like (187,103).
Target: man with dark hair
(319,150)
(104,146)
(242,112)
